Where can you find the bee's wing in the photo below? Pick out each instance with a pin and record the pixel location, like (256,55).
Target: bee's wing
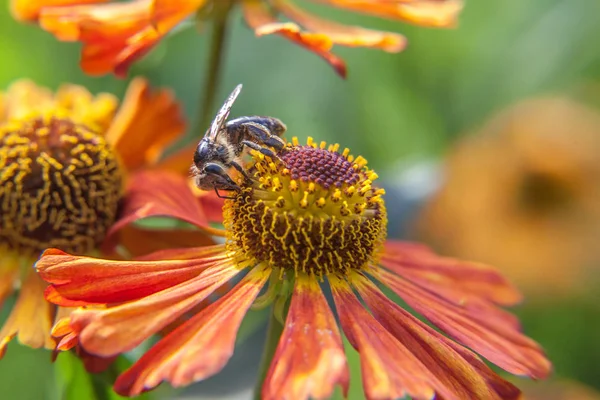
(223,113)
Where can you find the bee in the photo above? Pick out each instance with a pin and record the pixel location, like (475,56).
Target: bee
(224,143)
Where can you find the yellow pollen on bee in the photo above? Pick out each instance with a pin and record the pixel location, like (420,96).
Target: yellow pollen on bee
(304,216)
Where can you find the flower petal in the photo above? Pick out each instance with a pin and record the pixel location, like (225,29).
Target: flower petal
(29,10)
(31,317)
(114,330)
(9,273)
(158,194)
(309,360)
(454,280)
(146,123)
(200,347)
(259,17)
(389,370)
(113,35)
(434,13)
(461,377)
(342,34)
(77,281)
(179,161)
(486,334)
(94,111)
(141,241)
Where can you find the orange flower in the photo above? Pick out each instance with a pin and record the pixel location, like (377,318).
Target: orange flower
(315,216)
(116,34)
(532,175)
(65,162)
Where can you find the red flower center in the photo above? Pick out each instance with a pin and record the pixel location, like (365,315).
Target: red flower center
(59,187)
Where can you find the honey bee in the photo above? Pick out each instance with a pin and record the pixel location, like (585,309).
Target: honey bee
(224,143)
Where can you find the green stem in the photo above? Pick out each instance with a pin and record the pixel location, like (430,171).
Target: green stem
(215,62)
(274,331)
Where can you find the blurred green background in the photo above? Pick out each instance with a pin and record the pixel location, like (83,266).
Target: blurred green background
(394,109)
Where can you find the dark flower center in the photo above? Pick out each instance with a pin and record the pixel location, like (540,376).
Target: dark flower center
(315,213)
(60,184)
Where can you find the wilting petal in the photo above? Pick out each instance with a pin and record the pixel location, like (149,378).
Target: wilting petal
(79,280)
(491,337)
(342,34)
(436,13)
(389,370)
(309,360)
(29,10)
(461,377)
(259,17)
(158,194)
(200,347)
(454,280)
(31,317)
(146,123)
(114,330)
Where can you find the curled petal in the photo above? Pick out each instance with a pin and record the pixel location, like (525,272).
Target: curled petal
(434,13)
(158,194)
(31,317)
(114,330)
(309,360)
(389,370)
(460,373)
(145,124)
(489,336)
(29,10)
(200,347)
(260,18)
(454,280)
(342,34)
(77,281)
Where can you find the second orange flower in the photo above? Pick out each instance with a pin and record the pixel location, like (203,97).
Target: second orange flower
(115,34)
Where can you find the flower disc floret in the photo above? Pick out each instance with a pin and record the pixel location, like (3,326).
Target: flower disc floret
(315,211)
(60,184)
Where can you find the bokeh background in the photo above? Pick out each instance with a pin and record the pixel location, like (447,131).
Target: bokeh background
(466,163)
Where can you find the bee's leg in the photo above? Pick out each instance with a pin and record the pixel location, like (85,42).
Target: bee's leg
(241,170)
(265,130)
(223,197)
(226,182)
(263,150)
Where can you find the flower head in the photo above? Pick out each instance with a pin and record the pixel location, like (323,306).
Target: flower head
(116,34)
(65,161)
(314,217)
(533,209)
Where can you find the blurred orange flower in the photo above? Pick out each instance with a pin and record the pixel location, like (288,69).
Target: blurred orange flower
(523,193)
(116,34)
(558,389)
(315,217)
(66,162)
